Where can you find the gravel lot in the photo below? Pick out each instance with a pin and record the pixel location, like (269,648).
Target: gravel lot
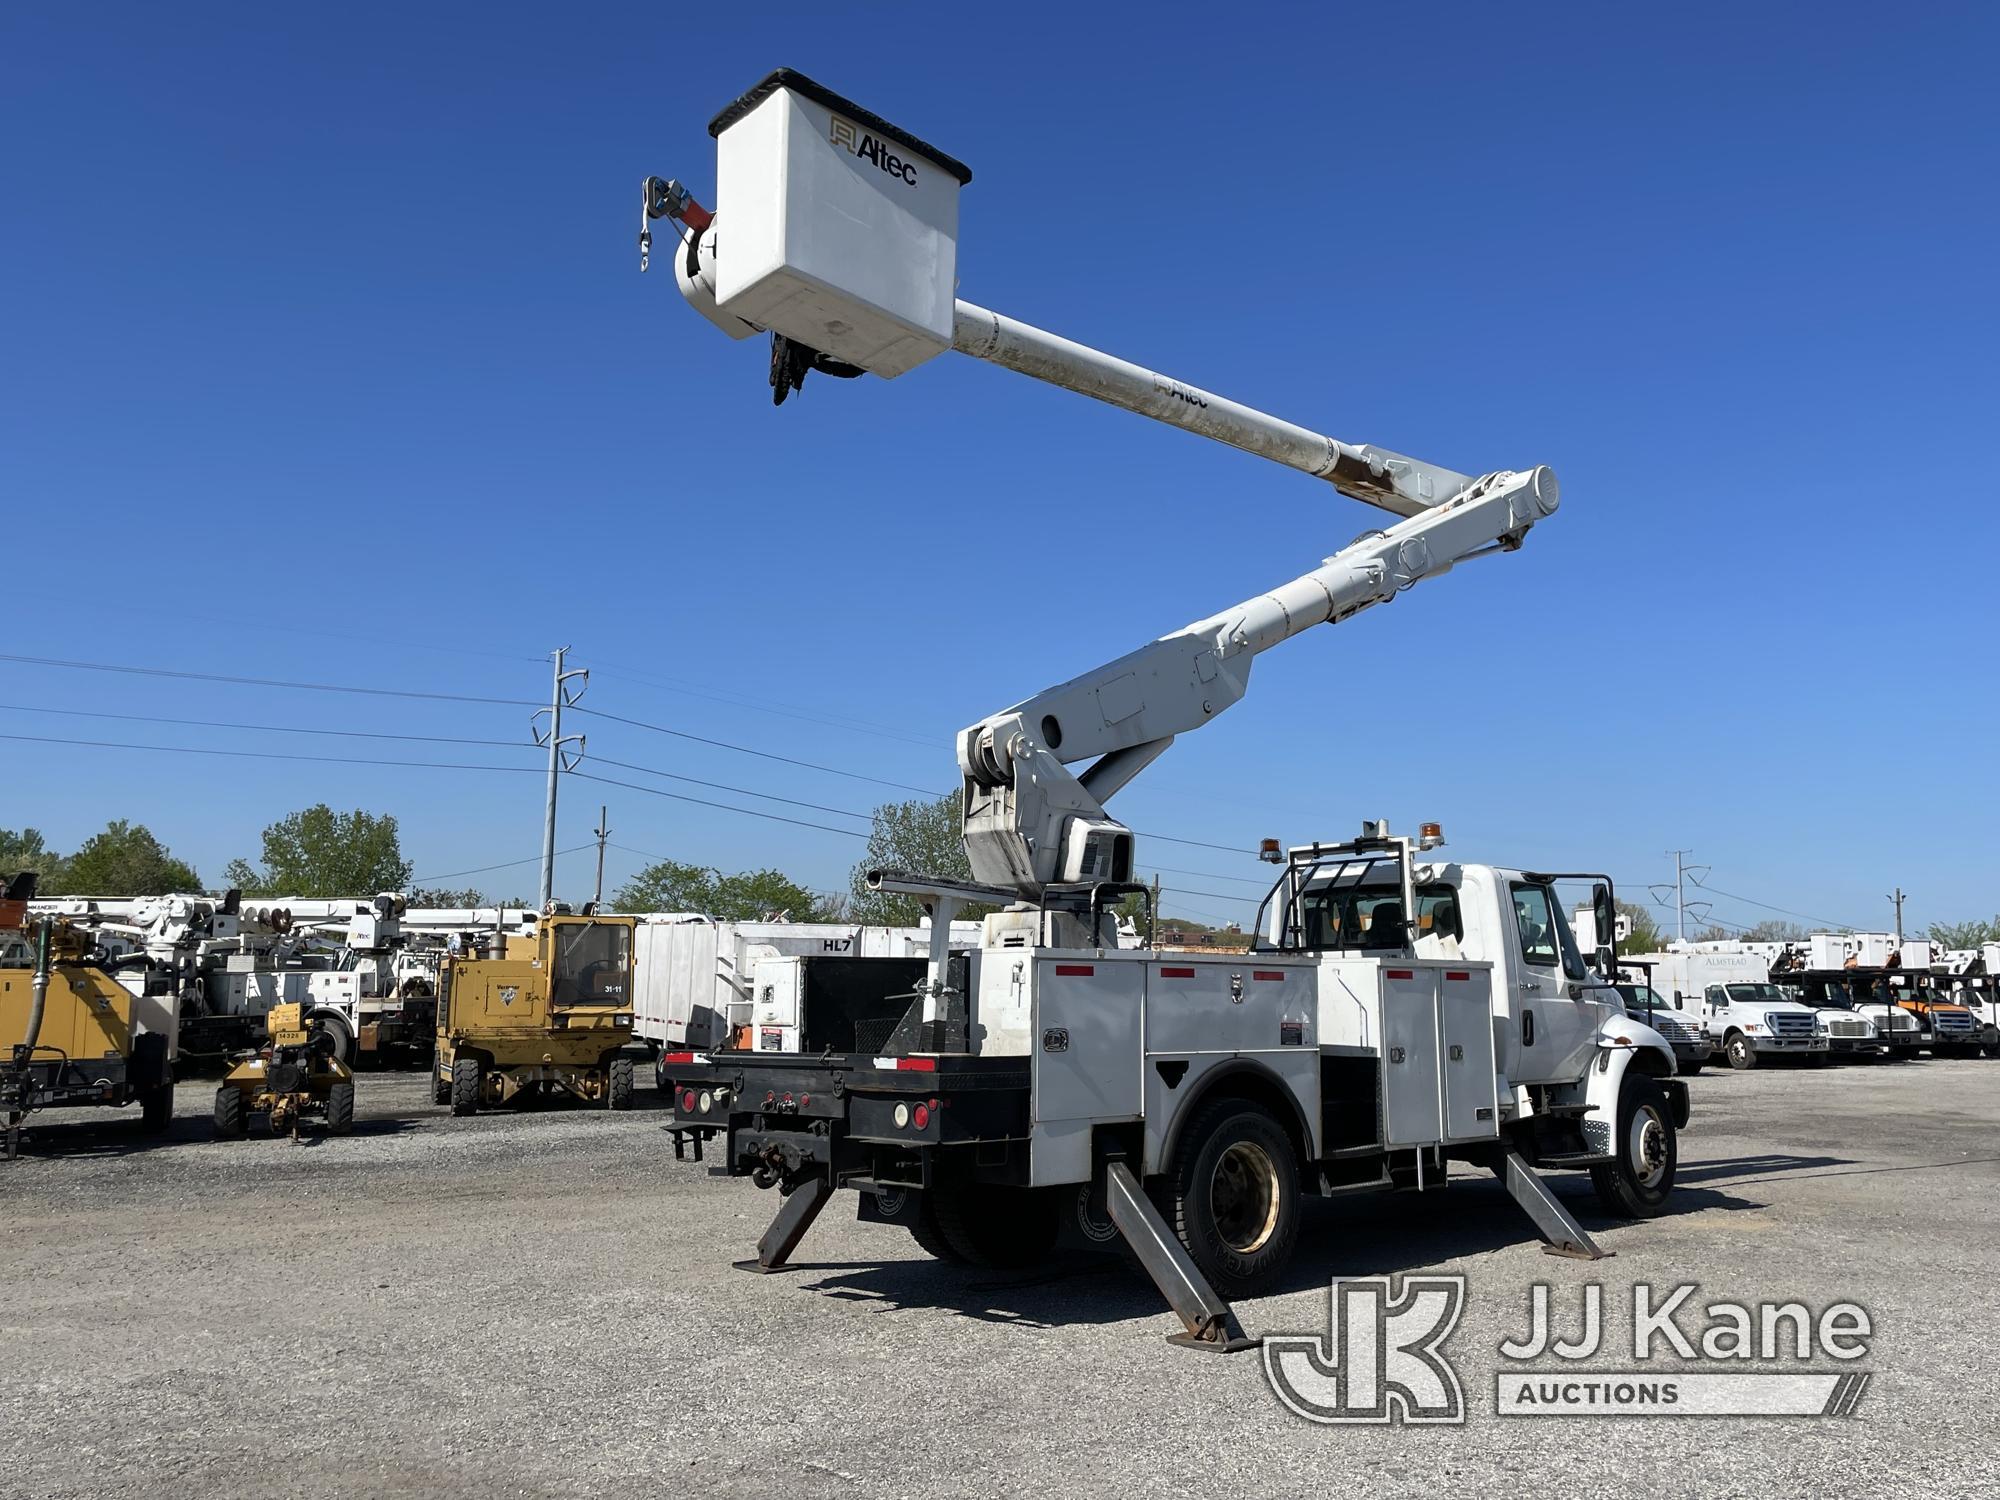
(541,1305)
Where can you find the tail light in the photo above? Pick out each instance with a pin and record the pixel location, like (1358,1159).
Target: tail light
(687,1101)
(920,1116)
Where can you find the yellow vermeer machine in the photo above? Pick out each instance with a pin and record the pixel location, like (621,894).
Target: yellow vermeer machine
(539,1015)
(70,1034)
(297,1073)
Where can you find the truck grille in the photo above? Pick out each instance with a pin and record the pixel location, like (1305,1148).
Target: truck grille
(1956,1022)
(1847,1028)
(1791,1027)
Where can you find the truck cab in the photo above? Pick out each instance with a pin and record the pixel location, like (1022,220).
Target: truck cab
(1849,1033)
(1974,982)
(1750,1022)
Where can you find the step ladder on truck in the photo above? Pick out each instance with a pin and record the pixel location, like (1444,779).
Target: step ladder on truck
(1397,1012)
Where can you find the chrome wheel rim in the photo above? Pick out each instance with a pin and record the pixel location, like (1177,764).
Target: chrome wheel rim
(1244,1196)
(1647,1146)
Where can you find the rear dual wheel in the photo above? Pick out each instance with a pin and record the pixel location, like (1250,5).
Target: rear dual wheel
(1232,1197)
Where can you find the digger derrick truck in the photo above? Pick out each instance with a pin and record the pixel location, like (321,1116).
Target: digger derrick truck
(1397,1013)
(73,1034)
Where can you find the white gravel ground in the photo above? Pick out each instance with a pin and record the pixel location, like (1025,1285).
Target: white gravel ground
(541,1305)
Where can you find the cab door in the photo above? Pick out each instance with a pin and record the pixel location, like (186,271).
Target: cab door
(1557,1010)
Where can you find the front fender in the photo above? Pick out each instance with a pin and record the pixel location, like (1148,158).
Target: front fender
(1622,1045)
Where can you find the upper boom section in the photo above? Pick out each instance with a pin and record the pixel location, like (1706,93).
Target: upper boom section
(842,243)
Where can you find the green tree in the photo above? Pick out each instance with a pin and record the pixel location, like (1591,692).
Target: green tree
(125,860)
(319,852)
(28,850)
(919,837)
(749,896)
(1776,930)
(441,896)
(1951,934)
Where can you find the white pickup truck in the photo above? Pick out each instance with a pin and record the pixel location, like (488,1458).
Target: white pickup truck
(1682,1030)
(1748,1019)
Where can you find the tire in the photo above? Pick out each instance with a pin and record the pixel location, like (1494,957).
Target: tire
(1001,1229)
(230,1123)
(1232,1196)
(156,1107)
(1689,1069)
(930,1238)
(1742,1056)
(440,1086)
(340,1108)
(618,1086)
(343,1039)
(1816,1059)
(466,1086)
(1638,1184)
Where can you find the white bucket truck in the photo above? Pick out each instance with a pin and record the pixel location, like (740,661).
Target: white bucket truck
(1397,1014)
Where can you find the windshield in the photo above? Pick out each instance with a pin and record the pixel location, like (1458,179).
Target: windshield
(593,961)
(1371,917)
(1641,997)
(1760,994)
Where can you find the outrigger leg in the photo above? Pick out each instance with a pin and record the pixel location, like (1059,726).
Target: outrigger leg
(1563,1234)
(1210,1322)
(801,1207)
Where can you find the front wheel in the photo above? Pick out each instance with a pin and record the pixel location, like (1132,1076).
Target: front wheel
(618,1087)
(230,1123)
(1638,1182)
(1692,1065)
(340,1109)
(1742,1056)
(1233,1197)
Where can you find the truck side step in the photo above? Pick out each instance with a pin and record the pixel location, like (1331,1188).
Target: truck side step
(1564,1236)
(1210,1322)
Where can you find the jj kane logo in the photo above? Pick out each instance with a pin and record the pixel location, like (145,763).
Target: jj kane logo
(1382,1358)
(853,139)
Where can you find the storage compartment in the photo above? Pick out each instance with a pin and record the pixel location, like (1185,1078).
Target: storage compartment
(1350,1107)
(834,227)
(851,1005)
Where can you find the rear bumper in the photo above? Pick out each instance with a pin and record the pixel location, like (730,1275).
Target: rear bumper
(782,1116)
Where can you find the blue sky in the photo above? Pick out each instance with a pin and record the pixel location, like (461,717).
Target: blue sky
(326,358)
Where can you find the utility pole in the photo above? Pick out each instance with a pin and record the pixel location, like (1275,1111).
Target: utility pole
(1683,872)
(603,833)
(560,759)
(1898,898)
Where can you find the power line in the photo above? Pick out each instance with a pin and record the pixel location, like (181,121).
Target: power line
(699,739)
(339,760)
(362,734)
(272,682)
(832,721)
(1264,884)
(748,812)
(1194,843)
(604,760)
(532,859)
(1765,905)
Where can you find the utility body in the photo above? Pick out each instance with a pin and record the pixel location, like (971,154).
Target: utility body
(1395,1014)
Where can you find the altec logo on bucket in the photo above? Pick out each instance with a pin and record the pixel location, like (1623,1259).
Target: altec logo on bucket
(1382,1358)
(851,138)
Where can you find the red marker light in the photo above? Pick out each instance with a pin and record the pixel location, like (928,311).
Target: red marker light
(687,1101)
(920,1116)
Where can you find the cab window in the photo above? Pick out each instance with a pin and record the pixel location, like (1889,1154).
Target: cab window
(593,960)
(1537,924)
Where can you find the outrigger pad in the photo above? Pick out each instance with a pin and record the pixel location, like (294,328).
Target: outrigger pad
(1209,1322)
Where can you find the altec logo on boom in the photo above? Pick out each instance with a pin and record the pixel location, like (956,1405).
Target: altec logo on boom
(858,142)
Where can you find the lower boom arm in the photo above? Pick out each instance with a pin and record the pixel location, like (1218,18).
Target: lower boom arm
(1030,823)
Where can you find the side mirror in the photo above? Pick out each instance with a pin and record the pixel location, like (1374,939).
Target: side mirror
(1604,916)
